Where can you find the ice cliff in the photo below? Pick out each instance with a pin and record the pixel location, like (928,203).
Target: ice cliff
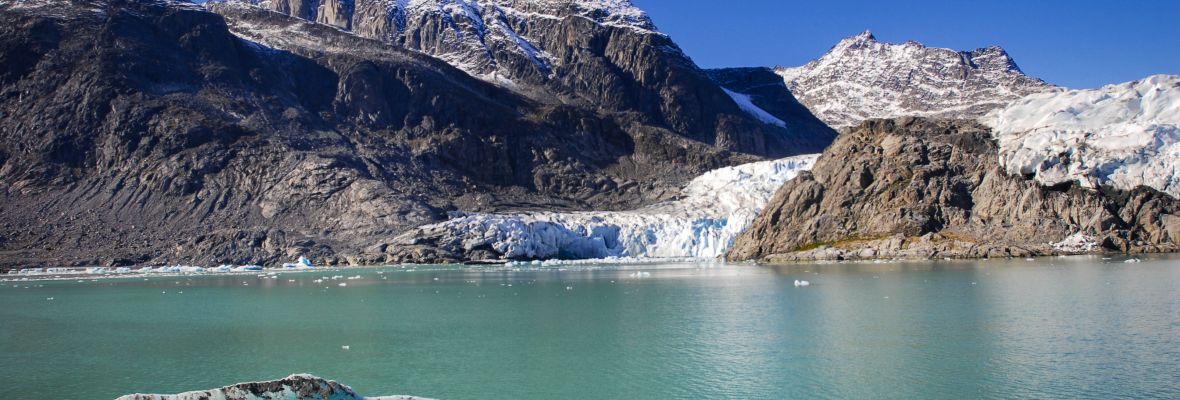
(713,210)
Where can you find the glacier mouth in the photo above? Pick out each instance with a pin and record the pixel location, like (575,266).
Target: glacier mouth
(712,210)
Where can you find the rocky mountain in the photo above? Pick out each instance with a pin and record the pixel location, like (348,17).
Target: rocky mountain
(602,54)
(935,188)
(144,131)
(861,78)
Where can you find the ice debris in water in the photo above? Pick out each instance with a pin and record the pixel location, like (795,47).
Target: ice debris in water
(799,283)
(713,210)
(303,263)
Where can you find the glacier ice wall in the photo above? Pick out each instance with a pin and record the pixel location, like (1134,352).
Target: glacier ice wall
(1122,135)
(713,209)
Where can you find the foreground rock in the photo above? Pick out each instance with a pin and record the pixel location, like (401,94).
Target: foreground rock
(917,188)
(294,387)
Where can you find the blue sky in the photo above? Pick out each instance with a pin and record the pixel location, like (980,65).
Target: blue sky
(1078,44)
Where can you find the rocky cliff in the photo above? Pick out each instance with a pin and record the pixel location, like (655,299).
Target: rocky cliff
(158,131)
(862,78)
(925,188)
(600,54)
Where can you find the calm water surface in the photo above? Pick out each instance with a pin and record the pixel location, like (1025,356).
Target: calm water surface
(1049,328)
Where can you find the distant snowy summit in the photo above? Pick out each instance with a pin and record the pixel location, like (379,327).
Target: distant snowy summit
(1123,135)
(861,78)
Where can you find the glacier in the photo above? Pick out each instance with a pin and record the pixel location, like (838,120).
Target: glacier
(702,223)
(1123,135)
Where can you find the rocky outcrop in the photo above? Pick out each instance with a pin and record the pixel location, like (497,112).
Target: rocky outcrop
(294,387)
(918,188)
(862,78)
(154,132)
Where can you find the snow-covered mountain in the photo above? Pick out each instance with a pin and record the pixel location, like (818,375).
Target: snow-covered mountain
(1122,135)
(861,78)
(493,39)
(713,210)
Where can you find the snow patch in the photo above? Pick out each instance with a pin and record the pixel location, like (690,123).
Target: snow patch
(1123,135)
(1076,243)
(747,105)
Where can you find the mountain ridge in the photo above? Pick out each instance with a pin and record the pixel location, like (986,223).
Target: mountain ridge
(862,78)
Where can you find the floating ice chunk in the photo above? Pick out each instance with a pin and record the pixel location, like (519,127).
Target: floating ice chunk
(346,347)
(799,283)
(342,284)
(248,268)
(303,263)
(1133,260)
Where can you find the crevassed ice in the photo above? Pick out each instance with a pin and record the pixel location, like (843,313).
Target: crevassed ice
(714,209)
(1122,135)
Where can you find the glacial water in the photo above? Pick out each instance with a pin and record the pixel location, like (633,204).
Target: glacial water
(1048,328)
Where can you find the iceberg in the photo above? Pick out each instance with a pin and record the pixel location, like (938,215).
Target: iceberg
(1123,135)
(246,268)
(303,263)
(712,210)
(297,386)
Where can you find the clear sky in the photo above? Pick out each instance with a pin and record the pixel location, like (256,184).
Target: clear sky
(1078,44)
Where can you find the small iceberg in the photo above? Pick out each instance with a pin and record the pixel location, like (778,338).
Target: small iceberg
(303,263)
(1133,260)
(288,388)
(247,268)
(799,283)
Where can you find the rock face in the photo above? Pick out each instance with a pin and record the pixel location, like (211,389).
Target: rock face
(294,387)
(603,54)
(153,131)
(924,188)
(861,78)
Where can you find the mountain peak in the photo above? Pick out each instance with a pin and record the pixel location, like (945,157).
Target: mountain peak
(862,78)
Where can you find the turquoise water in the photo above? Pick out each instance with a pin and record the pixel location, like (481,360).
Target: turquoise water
(1050,328)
